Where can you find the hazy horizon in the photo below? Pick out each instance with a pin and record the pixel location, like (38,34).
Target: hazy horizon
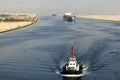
(46,7)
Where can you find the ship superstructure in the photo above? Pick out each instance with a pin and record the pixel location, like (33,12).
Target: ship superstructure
(68,17)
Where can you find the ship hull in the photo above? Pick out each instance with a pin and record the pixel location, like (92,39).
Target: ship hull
(68,18)
(72,73)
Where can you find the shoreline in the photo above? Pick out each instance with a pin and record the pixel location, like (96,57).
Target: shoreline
(9,26)
(115,18)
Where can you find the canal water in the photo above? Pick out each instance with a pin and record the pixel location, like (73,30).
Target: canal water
(39,51)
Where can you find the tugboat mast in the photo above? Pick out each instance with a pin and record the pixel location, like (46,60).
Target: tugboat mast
(73,52)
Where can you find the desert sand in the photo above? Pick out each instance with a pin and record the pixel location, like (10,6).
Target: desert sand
(7,26)
(102,17)
(26,19)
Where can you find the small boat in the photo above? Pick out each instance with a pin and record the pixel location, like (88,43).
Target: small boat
(72,68)
(68,17)
(53,14)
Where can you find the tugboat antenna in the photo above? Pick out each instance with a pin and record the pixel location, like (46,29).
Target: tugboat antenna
(72,54)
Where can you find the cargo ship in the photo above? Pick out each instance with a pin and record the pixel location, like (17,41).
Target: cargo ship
(72,68)
(68,17)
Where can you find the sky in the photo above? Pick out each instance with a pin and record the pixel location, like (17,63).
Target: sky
(46,7)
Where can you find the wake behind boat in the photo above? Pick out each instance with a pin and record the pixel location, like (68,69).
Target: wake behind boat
(72,68)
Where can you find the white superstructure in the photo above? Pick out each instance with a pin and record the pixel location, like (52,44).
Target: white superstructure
(68,14)
(72,64)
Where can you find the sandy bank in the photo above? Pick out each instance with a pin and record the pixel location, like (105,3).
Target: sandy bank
(10,21)
(8,26)
(102,17)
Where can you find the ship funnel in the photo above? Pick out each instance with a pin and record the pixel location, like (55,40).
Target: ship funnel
(72,54)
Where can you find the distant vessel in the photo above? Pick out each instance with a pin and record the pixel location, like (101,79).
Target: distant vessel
(72,68)
(68,17)
(53,14)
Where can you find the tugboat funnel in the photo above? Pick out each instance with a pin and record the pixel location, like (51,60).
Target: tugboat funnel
(72,54)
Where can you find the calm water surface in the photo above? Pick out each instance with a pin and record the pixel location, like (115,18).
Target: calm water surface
(39,51)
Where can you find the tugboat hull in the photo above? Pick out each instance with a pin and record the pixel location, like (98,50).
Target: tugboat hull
(71,75)
(71,72)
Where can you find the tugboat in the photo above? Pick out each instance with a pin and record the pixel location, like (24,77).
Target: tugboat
(68,17)
(72,68)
